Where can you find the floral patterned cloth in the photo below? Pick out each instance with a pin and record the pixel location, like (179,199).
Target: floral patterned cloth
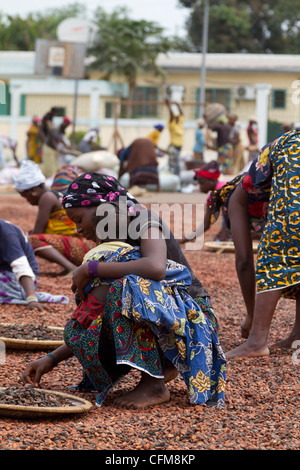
(143,319)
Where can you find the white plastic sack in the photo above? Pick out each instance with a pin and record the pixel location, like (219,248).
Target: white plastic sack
(168,183)
(93,161)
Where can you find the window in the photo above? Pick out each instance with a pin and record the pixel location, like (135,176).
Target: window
(60,111)
(142,95)
(278,99)
(215,95)
(108,109)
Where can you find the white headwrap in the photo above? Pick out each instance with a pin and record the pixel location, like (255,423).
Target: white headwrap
(30,176)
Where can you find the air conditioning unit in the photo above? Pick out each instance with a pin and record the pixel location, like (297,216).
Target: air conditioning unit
(244,92)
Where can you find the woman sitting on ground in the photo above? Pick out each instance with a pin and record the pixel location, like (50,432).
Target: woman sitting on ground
(19,270)
(54,235)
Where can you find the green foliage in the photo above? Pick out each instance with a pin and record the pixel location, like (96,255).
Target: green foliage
(127,47)
(17,33)
(270,26)
(76,137)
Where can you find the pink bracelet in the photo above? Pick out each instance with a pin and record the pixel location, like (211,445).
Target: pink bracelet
(93,269)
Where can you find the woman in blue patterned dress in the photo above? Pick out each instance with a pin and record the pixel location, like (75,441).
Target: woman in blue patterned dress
(278,262)
(149,312)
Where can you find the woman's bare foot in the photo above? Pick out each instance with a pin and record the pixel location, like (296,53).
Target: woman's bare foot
(246,350)
(148,392)
(285,343)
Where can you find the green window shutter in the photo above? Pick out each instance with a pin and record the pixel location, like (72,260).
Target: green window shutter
(5,107)
(23,105)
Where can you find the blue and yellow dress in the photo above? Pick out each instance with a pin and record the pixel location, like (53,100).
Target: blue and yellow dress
(278,261)
(142,323)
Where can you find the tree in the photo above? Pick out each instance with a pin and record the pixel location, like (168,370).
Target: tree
(17,33)
(127,47)
(270,26)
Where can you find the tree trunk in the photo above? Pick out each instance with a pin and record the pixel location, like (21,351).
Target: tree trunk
(132,85)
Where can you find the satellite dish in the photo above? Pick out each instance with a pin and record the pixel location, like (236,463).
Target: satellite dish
(76,30)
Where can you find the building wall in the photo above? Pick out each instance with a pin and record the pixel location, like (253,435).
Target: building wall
(221,83)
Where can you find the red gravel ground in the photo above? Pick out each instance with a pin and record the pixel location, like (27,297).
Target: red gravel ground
(262,404)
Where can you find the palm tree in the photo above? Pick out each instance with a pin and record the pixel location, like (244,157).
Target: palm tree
(127,47)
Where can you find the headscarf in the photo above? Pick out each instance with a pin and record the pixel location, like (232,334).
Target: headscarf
(30,176)
(64,177)
(209,171)
(92,189)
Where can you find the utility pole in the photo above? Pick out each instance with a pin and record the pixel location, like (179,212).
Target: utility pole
(204,50)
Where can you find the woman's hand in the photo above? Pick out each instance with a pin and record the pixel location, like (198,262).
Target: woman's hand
(37,305)
(34,371)
(80,278)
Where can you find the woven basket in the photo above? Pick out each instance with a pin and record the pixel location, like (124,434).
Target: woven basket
(221,247)
(77,405)
(14,343)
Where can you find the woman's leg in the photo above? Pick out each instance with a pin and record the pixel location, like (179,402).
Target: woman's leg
(150,390)
(256,344)
(54,256)
(295,333)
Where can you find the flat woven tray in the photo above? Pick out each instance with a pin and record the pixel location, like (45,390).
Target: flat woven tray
(77,405)
(228,247)
(14,343)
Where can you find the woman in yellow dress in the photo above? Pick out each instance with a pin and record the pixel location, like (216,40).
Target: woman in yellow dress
(54,236)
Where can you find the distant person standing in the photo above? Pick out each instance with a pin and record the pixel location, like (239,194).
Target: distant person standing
(47,125)
(224,145)
(50,164)
(8,143)
(175,125)
(253,139)
(235,139)
(34,144)
(200,141)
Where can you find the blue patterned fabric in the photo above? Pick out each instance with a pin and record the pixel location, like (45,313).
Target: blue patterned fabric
(156,313)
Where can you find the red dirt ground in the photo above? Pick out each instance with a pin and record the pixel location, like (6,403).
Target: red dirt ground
(262,395)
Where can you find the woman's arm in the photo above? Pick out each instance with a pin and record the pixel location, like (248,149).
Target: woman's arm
(34,371)
(152,264)
(29,287)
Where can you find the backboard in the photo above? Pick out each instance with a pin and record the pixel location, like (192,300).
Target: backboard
(64,59)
